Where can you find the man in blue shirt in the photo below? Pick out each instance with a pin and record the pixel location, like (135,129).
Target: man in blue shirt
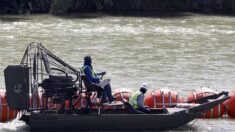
(97,78)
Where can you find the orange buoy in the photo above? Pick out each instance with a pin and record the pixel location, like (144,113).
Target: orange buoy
(230,105)
(121,94)
(161,98)
(216,112)
(81,100)
(6,114)
(180,99)
(48,103)
(200,93)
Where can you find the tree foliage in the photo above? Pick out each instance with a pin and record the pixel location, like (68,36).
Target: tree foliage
(67,6)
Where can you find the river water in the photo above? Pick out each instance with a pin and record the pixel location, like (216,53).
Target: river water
(179,51)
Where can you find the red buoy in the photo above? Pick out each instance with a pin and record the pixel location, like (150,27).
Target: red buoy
(231,105)
(121,94)
(53,106)
(216,112)
(6,114)
(81,100)
(161,98)
(181,99)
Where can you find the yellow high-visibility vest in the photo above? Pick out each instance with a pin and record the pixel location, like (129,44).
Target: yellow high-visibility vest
(92,72)
(133,100)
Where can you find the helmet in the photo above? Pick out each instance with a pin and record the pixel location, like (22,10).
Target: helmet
(144,85)
(143,88)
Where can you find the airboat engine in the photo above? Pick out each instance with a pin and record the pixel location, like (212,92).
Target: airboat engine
(59,88)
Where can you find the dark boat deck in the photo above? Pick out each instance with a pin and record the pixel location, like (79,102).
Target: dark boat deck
(118,119)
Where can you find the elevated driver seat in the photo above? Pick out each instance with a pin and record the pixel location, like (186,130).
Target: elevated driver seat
(89,88)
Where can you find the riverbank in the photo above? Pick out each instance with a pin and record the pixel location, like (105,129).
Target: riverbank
(122,6)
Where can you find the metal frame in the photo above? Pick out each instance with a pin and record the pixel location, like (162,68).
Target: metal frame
(34,57)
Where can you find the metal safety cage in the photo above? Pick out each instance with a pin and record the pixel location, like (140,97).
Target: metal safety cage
(50,78)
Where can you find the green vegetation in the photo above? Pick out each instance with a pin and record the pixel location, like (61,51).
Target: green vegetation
(233,5)
(24,6)
(67,6)
(61,6)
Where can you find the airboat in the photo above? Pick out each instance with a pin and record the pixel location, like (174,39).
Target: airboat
(42,81)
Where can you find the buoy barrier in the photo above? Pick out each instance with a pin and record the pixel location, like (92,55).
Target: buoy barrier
(180,100)
(81,100)
(216,112)
(162,98)
(121,94)
(6,114)
(230,105)
(48,103)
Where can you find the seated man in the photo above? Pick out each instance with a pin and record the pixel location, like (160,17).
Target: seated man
(137,99)
(96,78)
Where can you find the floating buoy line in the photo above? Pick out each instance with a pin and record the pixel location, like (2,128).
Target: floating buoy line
(158,98)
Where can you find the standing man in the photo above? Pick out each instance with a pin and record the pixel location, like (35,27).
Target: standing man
(137,99)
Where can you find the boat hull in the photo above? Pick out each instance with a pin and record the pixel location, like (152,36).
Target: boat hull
(39,122)
(172,118)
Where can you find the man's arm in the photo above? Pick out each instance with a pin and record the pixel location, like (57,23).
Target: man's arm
(101,74)
(140,101)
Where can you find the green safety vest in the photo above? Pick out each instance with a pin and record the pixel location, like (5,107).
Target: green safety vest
(92,72)
(133,100)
